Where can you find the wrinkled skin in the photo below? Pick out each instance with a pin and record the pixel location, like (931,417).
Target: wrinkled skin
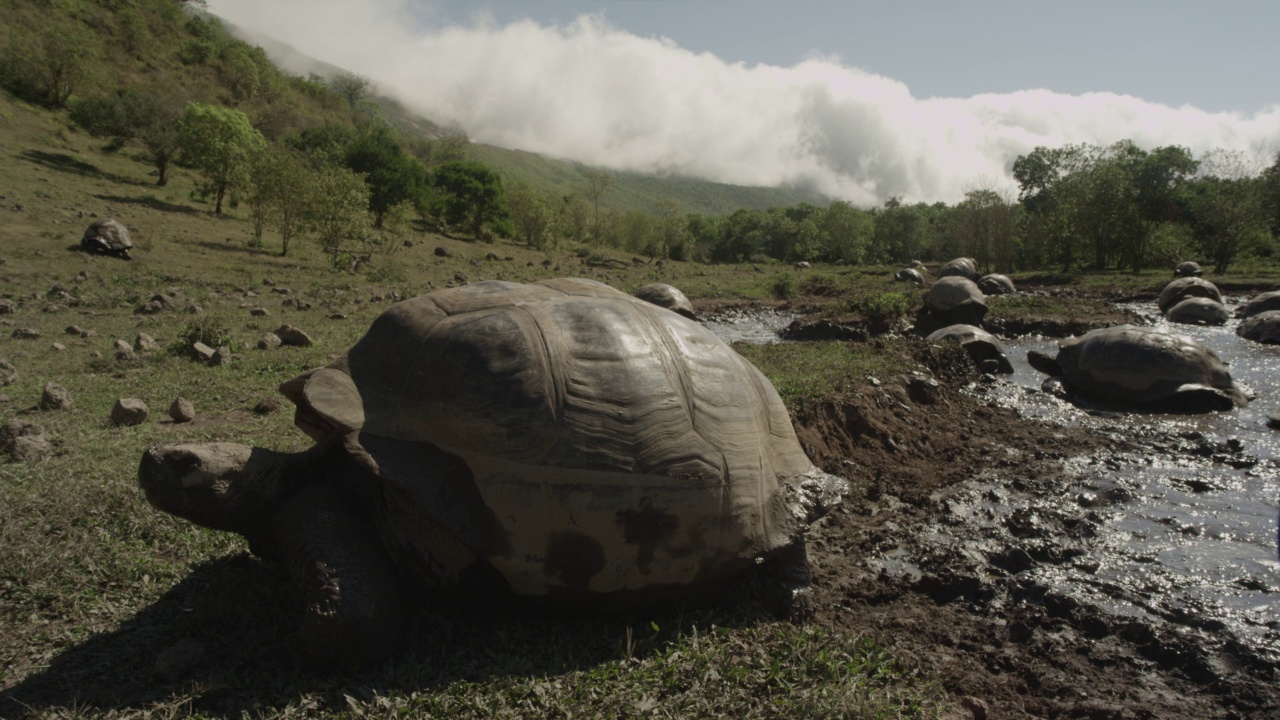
(1142,368)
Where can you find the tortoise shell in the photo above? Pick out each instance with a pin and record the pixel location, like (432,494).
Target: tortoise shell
(575,439)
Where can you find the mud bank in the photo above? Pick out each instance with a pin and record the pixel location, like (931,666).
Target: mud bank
(960,536)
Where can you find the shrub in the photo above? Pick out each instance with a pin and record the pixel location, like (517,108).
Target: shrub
(783,288)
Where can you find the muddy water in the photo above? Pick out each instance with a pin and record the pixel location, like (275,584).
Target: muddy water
(1176,524)
(752,325)
(1187,529)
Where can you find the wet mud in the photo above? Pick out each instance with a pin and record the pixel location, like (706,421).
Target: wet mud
(992,540)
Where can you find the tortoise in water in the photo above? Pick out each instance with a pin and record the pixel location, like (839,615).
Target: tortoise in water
(1263,327)
(962,267)
(1198,311)
(560,441)
(669,297)
(1143,368)
(1178,290)
(996,284)
(107,237)
(1188,269)
(982,347)
(1260,303)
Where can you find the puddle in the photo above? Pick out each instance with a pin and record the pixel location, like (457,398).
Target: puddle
(758,326)
(1188,529)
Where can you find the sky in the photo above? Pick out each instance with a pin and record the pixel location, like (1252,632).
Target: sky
(922,100)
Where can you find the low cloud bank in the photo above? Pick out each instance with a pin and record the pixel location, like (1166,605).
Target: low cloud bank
(599,95)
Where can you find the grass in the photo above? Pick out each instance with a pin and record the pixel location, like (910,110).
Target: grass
(95,585)
(812,370)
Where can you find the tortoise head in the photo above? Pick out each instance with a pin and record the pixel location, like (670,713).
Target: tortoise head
(224,486)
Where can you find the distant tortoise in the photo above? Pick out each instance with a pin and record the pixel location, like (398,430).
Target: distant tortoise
(1187,269)
(982,347)
(1259,304)
(1263,327)
(1178,290)
(951,300)
(559,441)
(1143,368)
(916,265)
(963,267)
(107,237)
(667,296)
(1198,311)
(996,284)
(910,275)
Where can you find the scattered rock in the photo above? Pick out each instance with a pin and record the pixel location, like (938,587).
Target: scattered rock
(8,373)
(150,307)
(266,406)
(290,335)
(55,397)
(182,410)
(26,334)
(121,346)
(193,309)
(442,251)
(58,347)
(221,356)
(145,343)
(7,306)
(24,441)
(978,708)
(177,661)
(128,412)
(202,351)
(1273,419)
(259,312)
(269,341)
(337,316)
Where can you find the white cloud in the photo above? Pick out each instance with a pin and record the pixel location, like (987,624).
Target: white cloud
(599,95)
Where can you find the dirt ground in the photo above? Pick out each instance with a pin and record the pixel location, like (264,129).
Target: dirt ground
(963,610)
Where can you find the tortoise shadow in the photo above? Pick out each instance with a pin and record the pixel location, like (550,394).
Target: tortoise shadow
(239,610)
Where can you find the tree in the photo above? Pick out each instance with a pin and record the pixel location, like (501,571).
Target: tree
(598,184)
(338,216)
(63,56)
(283,193)
(472,195)
(984,226)
(531,213)
(218,142)
(393,176)
(352,88)
(151,118)
(671,231)
(1228,207)
(846,233)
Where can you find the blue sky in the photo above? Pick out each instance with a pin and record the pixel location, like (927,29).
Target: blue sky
(921,99)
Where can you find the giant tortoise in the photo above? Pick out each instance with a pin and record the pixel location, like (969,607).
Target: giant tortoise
(1198,311)
(1142,368)
(996,284)
(559,442)
(982,347)
(1263,327)
(669,297)
(1182,288)
(1187,268)
(1260,303)
(107,237)
(960,267)
(952,300)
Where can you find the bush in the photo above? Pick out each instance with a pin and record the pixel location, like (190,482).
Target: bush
(204,330)
(884,308)
(783,288)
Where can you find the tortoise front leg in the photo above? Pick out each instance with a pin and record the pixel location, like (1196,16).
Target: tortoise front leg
(353,610)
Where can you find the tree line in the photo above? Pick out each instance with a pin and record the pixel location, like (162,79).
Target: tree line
(314,157)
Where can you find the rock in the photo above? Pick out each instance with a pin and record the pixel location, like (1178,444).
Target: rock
(128,412)
(302,305)
(150,307)
(269,341)
(259,312)
(978,708)
(182,410)
(337,316)
(1273,420)
(55,397)
(442,251)
(193,309)
(26,334)
(8,373)
(24,441)
(74,330)
(221,356)
(202,351)
(145,343)
(177,661)
(58,347)
(290,335)
(122,346)
(803,265)
(7,306)
(924,391)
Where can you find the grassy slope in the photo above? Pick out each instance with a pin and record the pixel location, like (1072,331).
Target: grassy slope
(95,585)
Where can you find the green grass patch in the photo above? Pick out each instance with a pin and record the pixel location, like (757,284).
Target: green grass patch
(810,370)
